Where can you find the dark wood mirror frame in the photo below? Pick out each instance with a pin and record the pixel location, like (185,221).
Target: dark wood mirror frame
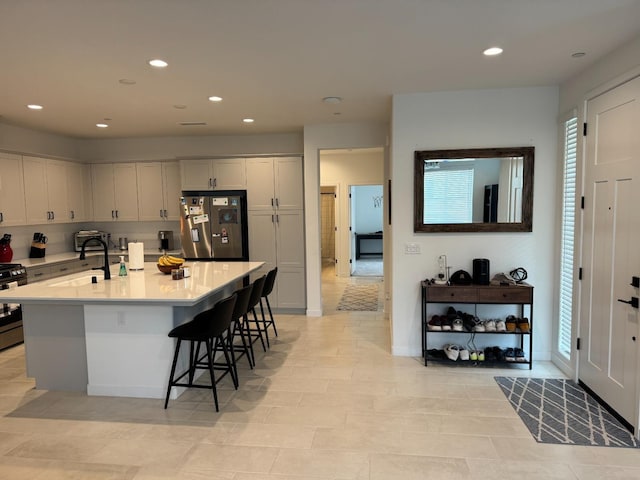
(527,153)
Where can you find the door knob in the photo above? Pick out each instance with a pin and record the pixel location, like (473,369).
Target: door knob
(633,302)
(635,282)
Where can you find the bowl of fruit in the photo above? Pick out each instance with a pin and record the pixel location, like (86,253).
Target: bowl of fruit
(166,263)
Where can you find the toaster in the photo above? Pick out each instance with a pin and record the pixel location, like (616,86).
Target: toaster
(83,235)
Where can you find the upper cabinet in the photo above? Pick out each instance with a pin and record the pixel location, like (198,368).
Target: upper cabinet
(274,183)
(12,206)
(213,174)
(45,189)
(115,192)
(79,192)
(158,190)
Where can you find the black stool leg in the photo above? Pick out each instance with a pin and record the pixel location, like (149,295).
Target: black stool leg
(173,372)
(239,327)
(259,330)
(273,322)
(213,375)
(245,324)
(264,323)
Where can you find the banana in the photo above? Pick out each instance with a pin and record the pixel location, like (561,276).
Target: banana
(170,261)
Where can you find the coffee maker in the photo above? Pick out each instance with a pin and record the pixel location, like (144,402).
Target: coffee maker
(166,239)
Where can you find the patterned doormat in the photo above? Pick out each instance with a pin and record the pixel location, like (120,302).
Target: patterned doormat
(360,298)
(560,411)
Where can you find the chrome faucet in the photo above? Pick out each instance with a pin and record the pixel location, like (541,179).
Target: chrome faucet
(107,273)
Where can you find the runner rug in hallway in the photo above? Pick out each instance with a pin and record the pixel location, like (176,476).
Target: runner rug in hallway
(560,411)
(360,298)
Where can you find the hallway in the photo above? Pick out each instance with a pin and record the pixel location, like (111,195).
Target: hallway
(326,402)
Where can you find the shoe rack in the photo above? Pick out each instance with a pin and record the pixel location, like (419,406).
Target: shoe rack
(519,295)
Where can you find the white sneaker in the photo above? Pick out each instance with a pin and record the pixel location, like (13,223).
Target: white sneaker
(464,354)
(501,326)
(490,326)
(452,352)
(456,325)
(479,327)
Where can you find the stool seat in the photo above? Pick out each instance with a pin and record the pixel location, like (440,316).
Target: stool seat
(208,328)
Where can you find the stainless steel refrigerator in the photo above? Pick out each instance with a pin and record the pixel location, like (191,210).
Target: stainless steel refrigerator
(213,225)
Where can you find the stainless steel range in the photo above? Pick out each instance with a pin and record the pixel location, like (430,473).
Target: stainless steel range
(11,275)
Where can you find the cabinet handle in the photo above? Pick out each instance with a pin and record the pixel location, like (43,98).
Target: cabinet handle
(53,215)
(277,218)
(38,274)
(165,214)
(277,203)
(272,204)
(64,269)
(161,213)
(116,213)
(215,182)
(1,217)
(73,214)
(113,214)
(273,220)
(210,182)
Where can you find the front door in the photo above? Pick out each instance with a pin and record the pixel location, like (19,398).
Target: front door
(609,328)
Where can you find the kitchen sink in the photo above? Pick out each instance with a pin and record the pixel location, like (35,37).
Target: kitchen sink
(76,282)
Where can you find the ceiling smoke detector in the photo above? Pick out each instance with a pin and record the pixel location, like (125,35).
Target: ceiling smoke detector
(332,100)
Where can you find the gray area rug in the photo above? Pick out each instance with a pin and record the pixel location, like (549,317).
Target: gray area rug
(560,411)
(360,298)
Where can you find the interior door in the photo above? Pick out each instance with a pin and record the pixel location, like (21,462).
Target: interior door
(611,249)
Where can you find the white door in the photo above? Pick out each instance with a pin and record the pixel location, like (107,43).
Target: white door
(611,253)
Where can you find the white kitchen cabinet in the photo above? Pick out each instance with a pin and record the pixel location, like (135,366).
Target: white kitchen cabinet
(278,240)
(78,192)
(115,192)
(12,206)
(45,188)
(213,174)
(158,190)
(275,183)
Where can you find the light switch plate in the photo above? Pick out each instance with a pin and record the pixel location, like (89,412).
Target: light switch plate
(411,249)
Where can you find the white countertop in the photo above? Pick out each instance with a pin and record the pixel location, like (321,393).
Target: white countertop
(148,286)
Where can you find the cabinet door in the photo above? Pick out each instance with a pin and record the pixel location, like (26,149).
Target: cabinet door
(150,198)
(57,188)
(103,192)
(260,193)
(290,238)
(290,288)
(12,199)
(35,190)
(229,174)
(126,191)
(78,192)
(262,238)
(196,174)
(171,190)
(288,183)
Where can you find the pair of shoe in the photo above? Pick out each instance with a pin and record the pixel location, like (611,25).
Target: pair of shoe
(454,353)
(513,323)
(514,355)
(494,354)
(440,323)
(476,356)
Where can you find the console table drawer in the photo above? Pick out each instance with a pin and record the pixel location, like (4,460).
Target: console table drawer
(506,295)
(452,295)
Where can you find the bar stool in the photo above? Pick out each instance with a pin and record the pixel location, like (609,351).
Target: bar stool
(266,291)
(240,325)
(207,327)
(255,333)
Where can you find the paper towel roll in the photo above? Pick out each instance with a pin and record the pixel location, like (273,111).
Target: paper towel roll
(136,256)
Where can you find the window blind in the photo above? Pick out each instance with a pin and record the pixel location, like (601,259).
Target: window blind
(448,195)
(567,235)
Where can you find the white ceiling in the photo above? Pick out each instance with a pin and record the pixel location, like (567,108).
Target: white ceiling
(274,60)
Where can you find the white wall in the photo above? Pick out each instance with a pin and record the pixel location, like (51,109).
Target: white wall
(25,141)
(317,138)
(473,119)
(343,170)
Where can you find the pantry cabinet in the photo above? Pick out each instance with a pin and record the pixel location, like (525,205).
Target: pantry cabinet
(158,190)
(12,205)
(79,199)
(115,192)
(45,189)
(276,224)
(213,174)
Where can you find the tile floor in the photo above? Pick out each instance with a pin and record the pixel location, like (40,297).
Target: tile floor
(327,401)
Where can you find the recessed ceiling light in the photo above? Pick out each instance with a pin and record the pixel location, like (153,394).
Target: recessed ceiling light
(158,63)
(333,100)
(490,52)
(215,99)
(33,106)
(102,125)
(578,54)
(180,107)
(127,81)
(248,120)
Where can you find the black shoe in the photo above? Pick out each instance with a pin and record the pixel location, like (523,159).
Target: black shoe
(499,354)
(489,355)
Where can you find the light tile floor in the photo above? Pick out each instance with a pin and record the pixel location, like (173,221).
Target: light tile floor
(327,401)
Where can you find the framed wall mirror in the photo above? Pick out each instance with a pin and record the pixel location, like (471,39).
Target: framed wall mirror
(474,190)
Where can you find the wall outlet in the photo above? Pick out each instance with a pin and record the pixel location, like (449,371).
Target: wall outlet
(411,249)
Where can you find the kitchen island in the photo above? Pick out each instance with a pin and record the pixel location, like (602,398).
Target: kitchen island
(110,337)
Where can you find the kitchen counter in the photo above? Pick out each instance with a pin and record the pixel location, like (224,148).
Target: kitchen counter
(110,338)
(114,256)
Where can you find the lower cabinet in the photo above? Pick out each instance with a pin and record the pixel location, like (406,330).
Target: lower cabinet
(512,305)
(40,273)
(278,240)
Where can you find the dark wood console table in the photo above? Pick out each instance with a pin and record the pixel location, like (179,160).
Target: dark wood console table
(367,236)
